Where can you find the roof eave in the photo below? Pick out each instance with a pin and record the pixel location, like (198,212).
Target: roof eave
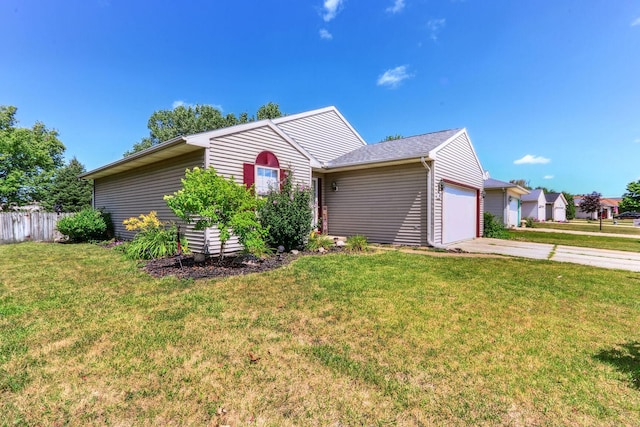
(163,151)
(372,164)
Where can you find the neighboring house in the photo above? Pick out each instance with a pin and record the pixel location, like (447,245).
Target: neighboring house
(556,207)
(422,190)
(502,199)
(534,205)
(609,208)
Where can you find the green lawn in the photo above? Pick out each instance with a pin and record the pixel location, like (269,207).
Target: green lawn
(597,242)
(377,339)
(623,227)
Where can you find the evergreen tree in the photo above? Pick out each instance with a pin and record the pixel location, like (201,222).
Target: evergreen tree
(67,192)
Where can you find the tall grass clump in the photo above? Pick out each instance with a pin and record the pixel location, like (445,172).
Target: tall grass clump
(155,239)
(357,243)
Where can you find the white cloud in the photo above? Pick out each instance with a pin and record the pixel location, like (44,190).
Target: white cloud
(637,140)
(326,35)
(398,5)
(636,22)
(530,159)
(331,9)
(548,177)
(435,26)
(394,77)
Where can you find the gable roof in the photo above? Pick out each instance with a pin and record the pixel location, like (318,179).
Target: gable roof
(496,184)
(324,133)
(533,196)
(553,197)
(290,128)
(395,150)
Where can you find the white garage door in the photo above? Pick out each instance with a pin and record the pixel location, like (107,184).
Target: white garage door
(459,216)
(560,214)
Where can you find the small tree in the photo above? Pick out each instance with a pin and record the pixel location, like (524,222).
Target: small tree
(631,199)
(591,203)
(209,199)
(67,192)
(571,206)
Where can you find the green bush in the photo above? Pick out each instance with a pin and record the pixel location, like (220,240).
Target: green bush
(357,243)
(85,226)
(530,222)
(317,241)
(493,227)
(287,216)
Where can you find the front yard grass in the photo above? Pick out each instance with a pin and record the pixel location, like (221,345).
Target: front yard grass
(623,226)
(586,241)
(377,339)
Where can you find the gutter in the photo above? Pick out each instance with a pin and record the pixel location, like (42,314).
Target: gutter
(430,215)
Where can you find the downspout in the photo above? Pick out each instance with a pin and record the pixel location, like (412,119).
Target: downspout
(430,206)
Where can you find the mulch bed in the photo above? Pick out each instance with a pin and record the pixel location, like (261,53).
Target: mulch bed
(212,267)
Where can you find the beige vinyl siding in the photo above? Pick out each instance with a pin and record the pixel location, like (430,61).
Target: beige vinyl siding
(494,203)
(324,135)
(456,161)
(142,190)
(229,153)
(386,204)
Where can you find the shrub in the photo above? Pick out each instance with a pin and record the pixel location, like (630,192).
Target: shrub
(317,241)
(155,239)
(87,225)
(357,243)
(493,227)
(530,222)
(287,216)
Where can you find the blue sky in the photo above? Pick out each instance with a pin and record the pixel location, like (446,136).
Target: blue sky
(548,91)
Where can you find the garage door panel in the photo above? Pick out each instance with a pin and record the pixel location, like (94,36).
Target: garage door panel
(460,207)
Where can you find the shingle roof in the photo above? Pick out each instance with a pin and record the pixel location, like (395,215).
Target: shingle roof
(496,183)
(532,197)
(398,149)
(551,197)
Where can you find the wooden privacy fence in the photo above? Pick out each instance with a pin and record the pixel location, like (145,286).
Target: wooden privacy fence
(22,226)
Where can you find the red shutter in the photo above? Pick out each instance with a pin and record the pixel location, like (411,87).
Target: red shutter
(283,177)
(248,174)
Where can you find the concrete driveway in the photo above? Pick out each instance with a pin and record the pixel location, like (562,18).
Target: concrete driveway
(595,257)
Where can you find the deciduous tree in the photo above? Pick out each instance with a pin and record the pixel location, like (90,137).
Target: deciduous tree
(521,182)
(571,207)
(591,203)
(208,199)
(631,199)
(392,137)
(28,159)
(164,125)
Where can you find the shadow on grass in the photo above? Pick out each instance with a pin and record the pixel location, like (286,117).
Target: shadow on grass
(626,359)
